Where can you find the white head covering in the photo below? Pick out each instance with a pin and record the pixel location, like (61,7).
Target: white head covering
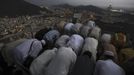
(43,42)
(68,27)
(106,38)
(91,24)
(75,42)
(96,31)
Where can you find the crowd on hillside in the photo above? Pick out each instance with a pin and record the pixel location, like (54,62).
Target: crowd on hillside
(68,49)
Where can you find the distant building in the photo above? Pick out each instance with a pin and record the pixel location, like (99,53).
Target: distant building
(109,14)
(109,7)
(119,10)
(77,15)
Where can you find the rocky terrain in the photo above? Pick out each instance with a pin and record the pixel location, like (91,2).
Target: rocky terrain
(23,27)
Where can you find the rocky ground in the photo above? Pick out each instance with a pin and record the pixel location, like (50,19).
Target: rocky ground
(23,27)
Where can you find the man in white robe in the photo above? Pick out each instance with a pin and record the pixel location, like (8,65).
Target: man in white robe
(108,66)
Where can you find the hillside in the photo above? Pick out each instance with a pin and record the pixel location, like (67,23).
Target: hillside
(17,7)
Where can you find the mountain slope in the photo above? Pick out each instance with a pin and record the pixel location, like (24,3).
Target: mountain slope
(17,7)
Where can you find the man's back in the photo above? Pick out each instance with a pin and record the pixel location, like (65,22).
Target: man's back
(108,67)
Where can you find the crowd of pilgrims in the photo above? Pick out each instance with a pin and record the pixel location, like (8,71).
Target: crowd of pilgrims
(68,49)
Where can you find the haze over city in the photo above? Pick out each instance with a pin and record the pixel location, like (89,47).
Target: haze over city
(101,3)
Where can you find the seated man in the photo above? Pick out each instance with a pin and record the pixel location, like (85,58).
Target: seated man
(62,63)
(85,62)
(27,51)
(54,62)
(107,66)
(39,65)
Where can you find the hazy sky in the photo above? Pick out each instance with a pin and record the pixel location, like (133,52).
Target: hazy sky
(115,3)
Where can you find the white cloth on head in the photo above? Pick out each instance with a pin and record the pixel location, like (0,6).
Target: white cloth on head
(91,24)
(43,42)
(30,47)
(75,42)
(41,62)
(96,32)
(62,63)
(91,46)
(106,38)
(85,30)
(68,27)
(108,67)
(62,41)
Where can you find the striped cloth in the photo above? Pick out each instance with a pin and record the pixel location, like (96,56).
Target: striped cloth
(51,36)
